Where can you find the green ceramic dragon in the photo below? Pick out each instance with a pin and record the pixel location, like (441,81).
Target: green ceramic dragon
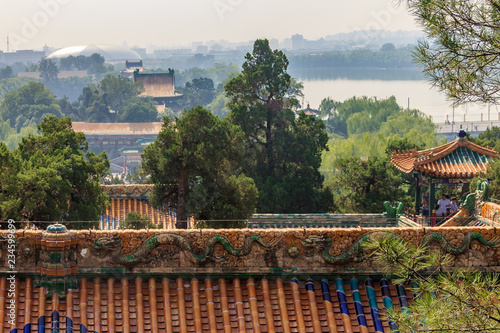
(393,211)
(358,247)
(114,246)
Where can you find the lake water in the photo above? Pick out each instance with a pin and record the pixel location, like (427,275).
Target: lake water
(408,86)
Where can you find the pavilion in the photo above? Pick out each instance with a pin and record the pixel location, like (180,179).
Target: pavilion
(449,166)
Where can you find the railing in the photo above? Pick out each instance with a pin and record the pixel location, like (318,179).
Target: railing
(321,221)
(280,222)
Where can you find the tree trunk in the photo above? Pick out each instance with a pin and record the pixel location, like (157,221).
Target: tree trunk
(181,208)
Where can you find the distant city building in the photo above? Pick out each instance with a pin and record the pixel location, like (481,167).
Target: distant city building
(161,54)
(202,49)
(274,43)
(298,42)
(216,48)
(22,56)
(109,52)
(287,44)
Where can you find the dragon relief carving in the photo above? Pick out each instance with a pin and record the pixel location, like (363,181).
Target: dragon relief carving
(113,247)
(320,244)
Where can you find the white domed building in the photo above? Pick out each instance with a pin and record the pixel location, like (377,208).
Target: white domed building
(109,52)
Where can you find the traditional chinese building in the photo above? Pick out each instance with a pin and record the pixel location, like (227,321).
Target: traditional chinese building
(123,142)
(449,166)
(125,199)
(159,86)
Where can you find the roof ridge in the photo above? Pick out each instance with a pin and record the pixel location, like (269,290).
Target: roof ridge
(450,148)
(481,150)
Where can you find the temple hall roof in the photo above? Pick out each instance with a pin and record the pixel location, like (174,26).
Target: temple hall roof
(117,128)
(457,159)
(157,84)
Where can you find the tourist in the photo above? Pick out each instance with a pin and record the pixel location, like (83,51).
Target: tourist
(439,213)
(454,207)
(425,206)
(445,204)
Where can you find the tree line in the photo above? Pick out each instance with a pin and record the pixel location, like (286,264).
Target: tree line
(261,156)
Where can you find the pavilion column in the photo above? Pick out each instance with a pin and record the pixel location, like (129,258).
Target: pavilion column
(432,195)
(418,197)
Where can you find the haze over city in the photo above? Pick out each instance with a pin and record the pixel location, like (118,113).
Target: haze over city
(31,24)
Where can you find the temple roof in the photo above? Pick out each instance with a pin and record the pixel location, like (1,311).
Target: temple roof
(117,128)
(217,305)
(157,84)
(457,159)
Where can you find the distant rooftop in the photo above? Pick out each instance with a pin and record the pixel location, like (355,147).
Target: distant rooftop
(157,84)
(117,128)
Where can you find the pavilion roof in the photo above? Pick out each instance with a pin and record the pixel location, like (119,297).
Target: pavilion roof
(457,159)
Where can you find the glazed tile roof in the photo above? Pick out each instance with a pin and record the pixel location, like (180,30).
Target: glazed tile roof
(117,128)
(215,305)
(457,159)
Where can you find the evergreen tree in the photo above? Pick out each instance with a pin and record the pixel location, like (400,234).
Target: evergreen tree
(194,164)
(283,154)
(55,177)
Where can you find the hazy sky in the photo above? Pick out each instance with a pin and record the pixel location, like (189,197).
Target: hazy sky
(169,23)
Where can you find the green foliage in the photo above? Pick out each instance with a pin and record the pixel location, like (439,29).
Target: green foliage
(362,186)
(113,93)
(56,178)
(461,54)
(199,91)
(12,138)
(139,110)
(493,177)
(29,104)
(109,179)
(93,64)
(135,221)
(48,70)
(217,73)
(9,168)
(137,176)
(219,104)
(403,130)
(449,300)
(283,154)
(6,73)
(490,137)
(387,47)
(358,115)
(195,162)
(70,87)
(358,167)
(385,58)
(9,85)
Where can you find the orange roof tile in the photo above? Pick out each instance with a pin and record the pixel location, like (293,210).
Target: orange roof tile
(161,305)
(117,128)
(457,159)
